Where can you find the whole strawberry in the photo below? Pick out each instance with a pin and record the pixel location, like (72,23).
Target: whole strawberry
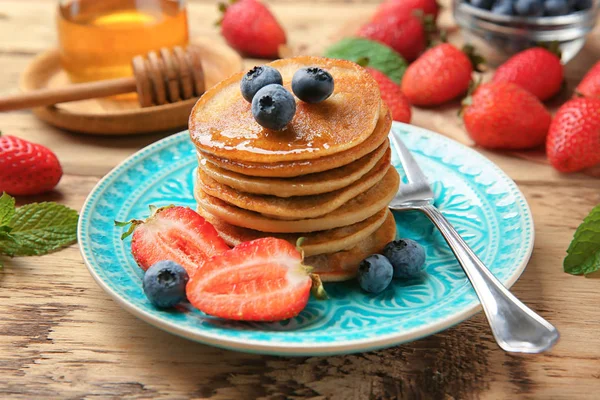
(590,85)
(249,27)
(392,96)
(405,34)
(574,139)
(502,115)
(404,7)
(537,70)
(441,74)
(27,168)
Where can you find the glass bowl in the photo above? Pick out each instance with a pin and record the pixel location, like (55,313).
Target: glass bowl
(497,37)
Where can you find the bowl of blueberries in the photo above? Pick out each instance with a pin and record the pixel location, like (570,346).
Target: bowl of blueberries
(500,28)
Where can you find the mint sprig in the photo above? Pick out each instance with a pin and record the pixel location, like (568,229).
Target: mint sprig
(583,255)
(380,56)
(35,229)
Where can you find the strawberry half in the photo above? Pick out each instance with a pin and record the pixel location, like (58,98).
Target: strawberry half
(261,280)
(173,233)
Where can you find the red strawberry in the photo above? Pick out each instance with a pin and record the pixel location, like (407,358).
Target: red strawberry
(537,70)
(261,280)
(173,233)
(574,140)
(590,85)
(404,7)
(405,34)
(392,96)
(441,74)
(502,115)
(250,28)
(27,168)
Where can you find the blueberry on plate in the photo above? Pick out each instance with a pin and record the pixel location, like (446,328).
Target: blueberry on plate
(312,85)
(406,256)
(556,7)
(164,284)
(503,7)
(257,78)
(484,4)
(273,107)
(529,8)
(375,273)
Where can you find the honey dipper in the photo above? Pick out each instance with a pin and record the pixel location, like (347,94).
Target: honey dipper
(166,76)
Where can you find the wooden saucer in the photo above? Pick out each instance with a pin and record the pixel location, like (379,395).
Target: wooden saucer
(109,116)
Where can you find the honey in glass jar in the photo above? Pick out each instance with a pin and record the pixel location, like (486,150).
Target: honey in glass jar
(98,38)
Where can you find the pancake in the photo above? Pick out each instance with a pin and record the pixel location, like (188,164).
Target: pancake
(290,169)
(314,243)
(306,185)
(358,209)
(222,124)
(343,265)
(296,207)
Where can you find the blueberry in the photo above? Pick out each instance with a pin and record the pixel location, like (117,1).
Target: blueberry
(484,4)
(407,257)
(556,7)
(164,284)
(312,85)
(503,7)
(583,4)
(273,107)
(529,8)
(375,273)
(257,78)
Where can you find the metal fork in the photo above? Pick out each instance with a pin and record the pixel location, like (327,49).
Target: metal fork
(515,326)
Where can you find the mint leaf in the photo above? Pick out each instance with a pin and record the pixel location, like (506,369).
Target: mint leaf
(583,255)
(380,56)
(40,228)
(7,209)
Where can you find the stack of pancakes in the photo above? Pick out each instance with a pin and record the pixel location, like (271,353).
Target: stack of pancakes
(326,177)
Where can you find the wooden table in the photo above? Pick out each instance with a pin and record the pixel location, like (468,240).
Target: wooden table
(61,336)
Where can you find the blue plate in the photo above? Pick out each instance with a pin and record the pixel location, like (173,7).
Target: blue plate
(483,203)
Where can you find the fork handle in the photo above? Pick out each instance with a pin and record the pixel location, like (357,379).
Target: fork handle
(515,326)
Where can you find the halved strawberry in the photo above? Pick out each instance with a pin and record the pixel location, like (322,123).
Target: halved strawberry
(173,233)
(261,280)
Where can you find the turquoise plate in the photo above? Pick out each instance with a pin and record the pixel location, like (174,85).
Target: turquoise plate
(484,204)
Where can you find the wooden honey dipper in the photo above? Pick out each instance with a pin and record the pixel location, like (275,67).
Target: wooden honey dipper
(164,77)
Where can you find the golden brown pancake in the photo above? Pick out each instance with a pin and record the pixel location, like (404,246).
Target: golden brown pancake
(328,241)
(343,265)
(222,124)
(306,185)
(297,207)
(358,209)
(296,168)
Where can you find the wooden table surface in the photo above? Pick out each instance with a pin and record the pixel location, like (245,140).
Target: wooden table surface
(61,336)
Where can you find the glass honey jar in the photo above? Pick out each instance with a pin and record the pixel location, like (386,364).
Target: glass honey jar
(98,38)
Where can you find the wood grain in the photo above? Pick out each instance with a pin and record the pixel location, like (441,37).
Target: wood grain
(62,337)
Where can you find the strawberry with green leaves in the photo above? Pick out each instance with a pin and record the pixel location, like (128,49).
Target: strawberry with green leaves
(27,168)
(405,34)
(441,74)
(574,139)
(249,27)
(536,70)
(590,84)
(172,233)
(261,280)
(501,115)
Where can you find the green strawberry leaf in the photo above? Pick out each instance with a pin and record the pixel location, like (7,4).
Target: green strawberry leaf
(380,56)
(40,228)
(583,255)
(7,209)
